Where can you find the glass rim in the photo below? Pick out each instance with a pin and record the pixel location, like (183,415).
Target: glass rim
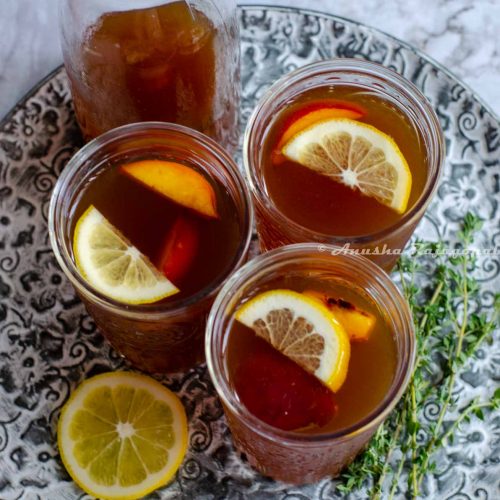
(338,66)
(262,263)
(61,251)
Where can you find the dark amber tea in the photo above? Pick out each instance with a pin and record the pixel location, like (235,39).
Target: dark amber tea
(148,221)
(168,63)
(190,246)
(324,197)
(273,359)
(345,152)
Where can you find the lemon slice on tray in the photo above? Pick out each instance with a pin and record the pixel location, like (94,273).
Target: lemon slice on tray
(112,265)
(302,329)
(357,155)
(122,435)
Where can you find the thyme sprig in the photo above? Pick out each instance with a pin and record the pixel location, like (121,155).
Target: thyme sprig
(449,329)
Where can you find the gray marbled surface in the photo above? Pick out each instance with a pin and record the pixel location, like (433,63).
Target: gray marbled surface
(463,35)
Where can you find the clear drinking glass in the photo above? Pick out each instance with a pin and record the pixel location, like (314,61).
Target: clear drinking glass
(273,226)
(289,456)
(163,337)
(145,60)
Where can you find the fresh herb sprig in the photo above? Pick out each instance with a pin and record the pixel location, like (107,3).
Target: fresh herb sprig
(448,334)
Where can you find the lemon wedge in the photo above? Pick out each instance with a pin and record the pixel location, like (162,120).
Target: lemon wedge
(112,265)
(302,329)
(357,155)
(122,435)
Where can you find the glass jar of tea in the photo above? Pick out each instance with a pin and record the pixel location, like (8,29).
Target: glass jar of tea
(309,348)
(148,222)
(146,60)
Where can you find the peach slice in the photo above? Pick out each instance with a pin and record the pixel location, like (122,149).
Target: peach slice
(180,249)
(316,116)
(310,114)
(357,323)
(180,183)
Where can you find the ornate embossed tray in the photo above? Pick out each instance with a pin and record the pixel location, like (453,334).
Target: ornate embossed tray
(48,344)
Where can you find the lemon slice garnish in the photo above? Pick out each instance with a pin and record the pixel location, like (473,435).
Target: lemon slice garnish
(357,155)
(112,265)
(302,329)
(122,435)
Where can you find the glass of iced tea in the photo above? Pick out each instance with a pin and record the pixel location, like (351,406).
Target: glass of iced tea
(146,60)
(309,349)
(343,152)
(147,222)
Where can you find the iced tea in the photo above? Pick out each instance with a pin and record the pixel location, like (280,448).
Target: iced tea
(147,232)
(171,63)
(343,152)
(287,394)
(154,223)
(309,349)
(321,203)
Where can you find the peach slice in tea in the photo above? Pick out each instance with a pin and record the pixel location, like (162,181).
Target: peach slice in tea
(180,183)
